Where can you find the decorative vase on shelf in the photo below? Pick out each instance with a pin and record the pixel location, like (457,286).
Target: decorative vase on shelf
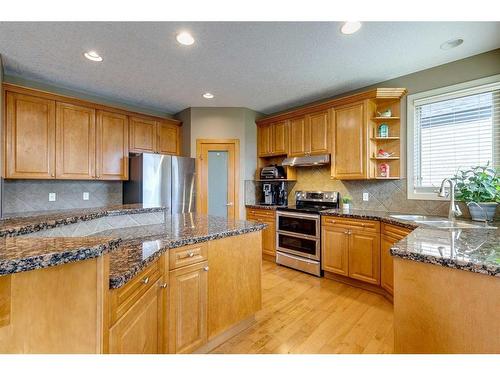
(383,131)
(386,113)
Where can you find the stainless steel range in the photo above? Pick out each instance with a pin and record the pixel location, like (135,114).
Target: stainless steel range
(298,234)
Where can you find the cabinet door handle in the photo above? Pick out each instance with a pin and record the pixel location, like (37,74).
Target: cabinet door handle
(205,268)
(164,285)
(145,280)
(188,255)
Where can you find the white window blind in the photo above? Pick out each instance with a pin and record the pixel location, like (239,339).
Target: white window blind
(459,129)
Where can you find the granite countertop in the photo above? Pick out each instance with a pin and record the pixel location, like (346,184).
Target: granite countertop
(263,206)
(471,249)
(131,248)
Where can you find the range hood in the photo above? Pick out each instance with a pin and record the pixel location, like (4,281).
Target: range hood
(306,161)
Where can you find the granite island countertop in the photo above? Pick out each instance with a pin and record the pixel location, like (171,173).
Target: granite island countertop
(470,249)
(131,248)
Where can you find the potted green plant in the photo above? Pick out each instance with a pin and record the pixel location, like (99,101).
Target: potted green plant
(346,203)
(479,188)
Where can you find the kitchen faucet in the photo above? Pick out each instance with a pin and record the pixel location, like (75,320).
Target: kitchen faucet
(454,210)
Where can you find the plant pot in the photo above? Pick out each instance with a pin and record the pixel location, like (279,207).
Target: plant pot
(346,208)
(488,208)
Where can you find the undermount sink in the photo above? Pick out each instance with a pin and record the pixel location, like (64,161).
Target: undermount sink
(410,217)
(452,224)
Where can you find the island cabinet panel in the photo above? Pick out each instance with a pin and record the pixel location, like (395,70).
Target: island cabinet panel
(188,307)
(317,133)
(390,234)
(112,146)
(142,134)
(364,256)
(269,234)
(234,282)
(139,330)
(168,139)
(30,125)
(75,142)
(297,142)
(335,250)
(350,142)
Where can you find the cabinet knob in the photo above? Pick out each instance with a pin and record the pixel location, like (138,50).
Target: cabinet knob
(164,285)
(52,175)
(191,254)
(145,280)
(205,268)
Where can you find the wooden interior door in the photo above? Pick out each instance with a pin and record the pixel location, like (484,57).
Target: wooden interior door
(335,250)
(203,147)
(142,135)
(364,256)
(279,138)
(112,146)
(318,132)
(350,142)
(188,307)
(168,139)
(75,142)
(297,143)
(138,331)
(30,137)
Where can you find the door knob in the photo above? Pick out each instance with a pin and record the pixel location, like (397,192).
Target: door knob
(229,204)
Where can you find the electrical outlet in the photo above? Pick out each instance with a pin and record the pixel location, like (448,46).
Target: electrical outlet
(365,197)
(86,196)
(52,197)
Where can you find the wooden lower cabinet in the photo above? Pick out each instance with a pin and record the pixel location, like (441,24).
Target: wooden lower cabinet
(335,250)
(269,234)
(364,256)
(139,330)
(188,308)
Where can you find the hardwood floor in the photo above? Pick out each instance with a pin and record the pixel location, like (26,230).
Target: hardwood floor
(306,314)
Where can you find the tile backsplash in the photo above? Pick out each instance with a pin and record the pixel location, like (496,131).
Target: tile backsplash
(21,196)
(383,195)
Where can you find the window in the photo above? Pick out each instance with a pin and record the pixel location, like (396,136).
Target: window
(451,128)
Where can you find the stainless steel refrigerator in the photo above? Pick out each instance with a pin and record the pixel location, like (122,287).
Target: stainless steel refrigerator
(161,180)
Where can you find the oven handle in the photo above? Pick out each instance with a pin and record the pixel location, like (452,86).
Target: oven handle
(291,214)
(298,258)
(298,235)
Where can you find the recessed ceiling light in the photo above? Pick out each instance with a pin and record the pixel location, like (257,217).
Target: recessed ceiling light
(452,43)
(93,56)
(185,38)
(350,27)
(208,95)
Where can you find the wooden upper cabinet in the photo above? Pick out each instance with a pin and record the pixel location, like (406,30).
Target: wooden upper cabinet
(279,144)
(30,127)
(264,140)
(318,134)
(364,256)
(297,138)
(350,142)
(112,146)
(142,135)
(168,139)
(75,142)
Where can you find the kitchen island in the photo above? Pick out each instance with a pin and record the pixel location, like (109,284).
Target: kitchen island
(126,279)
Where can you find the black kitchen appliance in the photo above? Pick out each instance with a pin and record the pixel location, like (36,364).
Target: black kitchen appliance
(274,193)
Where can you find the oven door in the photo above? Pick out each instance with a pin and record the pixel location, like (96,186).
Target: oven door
(300,245)
(298,224)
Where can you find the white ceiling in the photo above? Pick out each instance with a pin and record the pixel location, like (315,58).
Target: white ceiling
(263,66)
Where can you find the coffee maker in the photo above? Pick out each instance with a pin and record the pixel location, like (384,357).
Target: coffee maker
(275,193)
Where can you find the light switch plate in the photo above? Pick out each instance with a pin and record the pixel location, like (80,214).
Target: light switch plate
(86,195)
(52,197)
(365,197)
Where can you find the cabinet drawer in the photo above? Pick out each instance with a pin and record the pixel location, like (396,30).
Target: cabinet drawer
(186,255)
(256,213)
(395,231)
(123,298)
(340,222)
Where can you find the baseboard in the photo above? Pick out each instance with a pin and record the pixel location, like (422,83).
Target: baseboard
(226,335)
(358,284)
(270,258)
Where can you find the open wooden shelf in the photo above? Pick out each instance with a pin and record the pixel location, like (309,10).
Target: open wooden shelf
(387,178)
(385,118)
(385,158)
(384,138)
